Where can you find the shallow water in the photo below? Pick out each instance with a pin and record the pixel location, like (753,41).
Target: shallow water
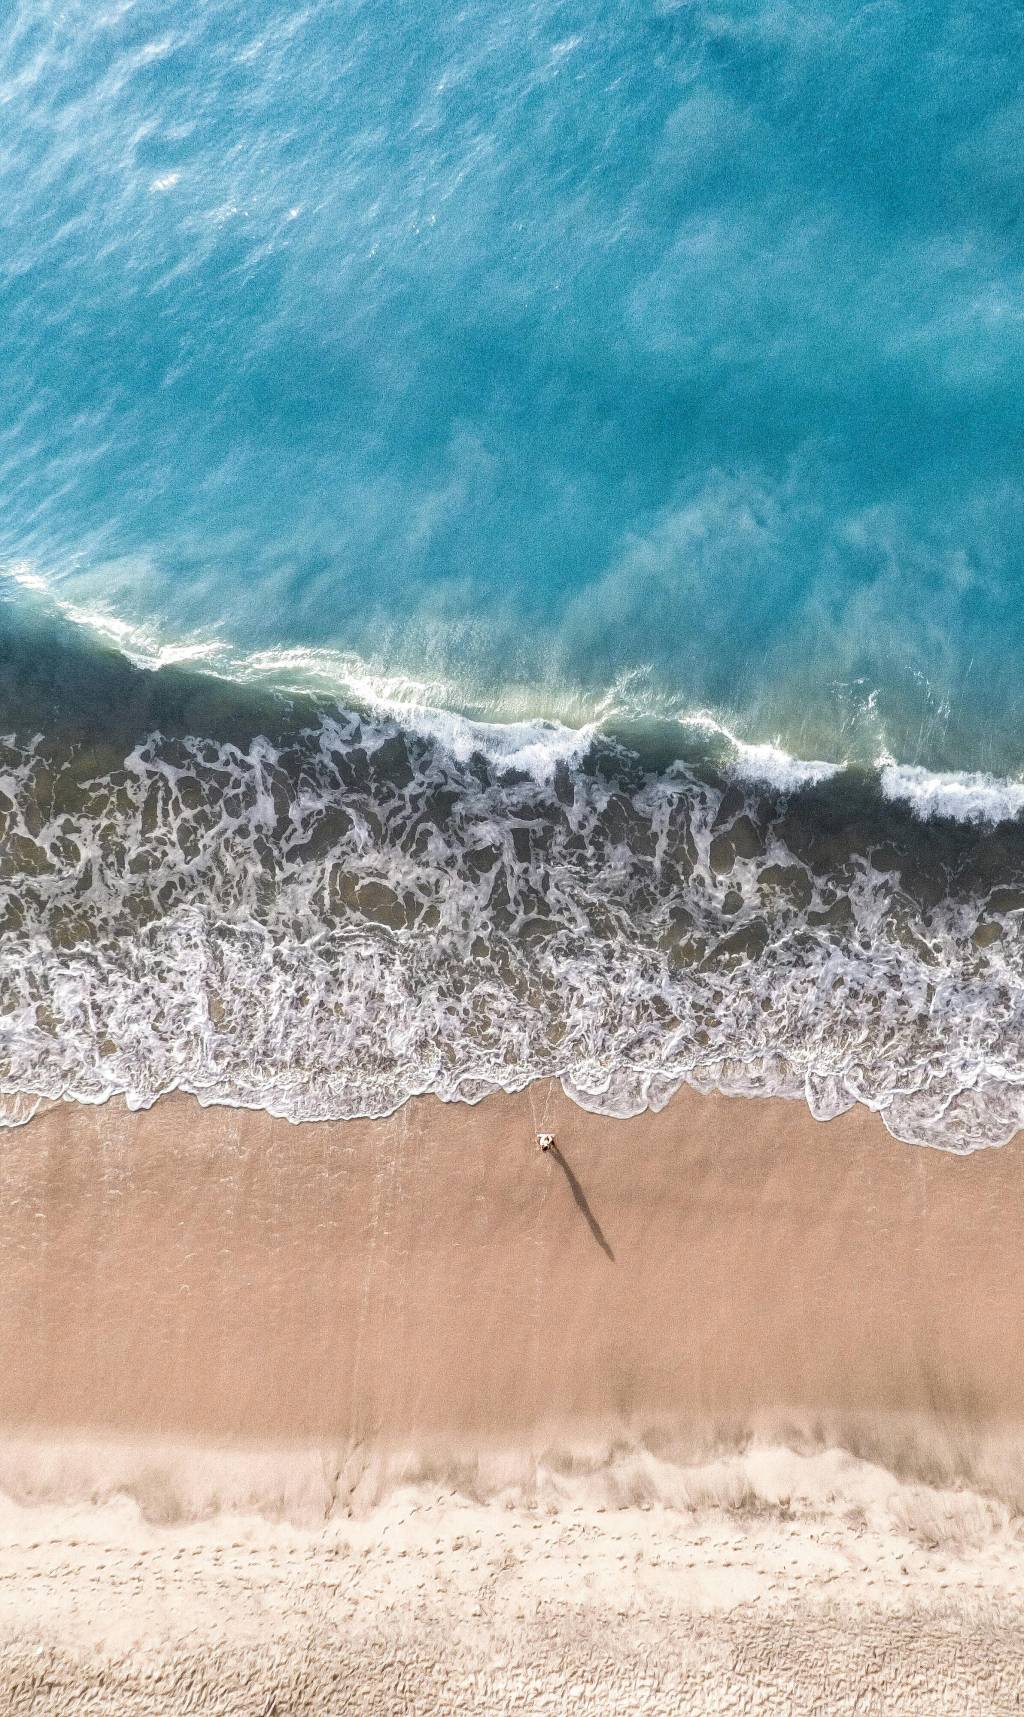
(324,910)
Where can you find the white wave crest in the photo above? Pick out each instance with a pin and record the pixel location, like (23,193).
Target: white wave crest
(964,798)
(530,744)
(766,762)
(776,768)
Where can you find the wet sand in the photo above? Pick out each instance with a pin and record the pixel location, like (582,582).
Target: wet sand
(219,1275)
(211,1315)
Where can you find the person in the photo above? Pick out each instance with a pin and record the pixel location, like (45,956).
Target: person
(545,1140)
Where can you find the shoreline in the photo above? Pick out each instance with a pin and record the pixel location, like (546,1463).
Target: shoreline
(716,1409)
(219,1274)
(430,916)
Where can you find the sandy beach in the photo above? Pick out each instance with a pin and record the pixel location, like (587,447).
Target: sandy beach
(725,1265)
(778,1362)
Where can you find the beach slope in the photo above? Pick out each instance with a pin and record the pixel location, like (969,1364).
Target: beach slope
(700,1391)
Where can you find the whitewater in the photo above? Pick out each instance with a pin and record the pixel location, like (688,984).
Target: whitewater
(510,556)
(324,909)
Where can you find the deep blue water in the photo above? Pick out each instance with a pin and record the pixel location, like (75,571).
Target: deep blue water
(668,351)
(512,554)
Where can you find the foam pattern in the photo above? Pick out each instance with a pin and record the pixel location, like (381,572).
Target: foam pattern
(327,926)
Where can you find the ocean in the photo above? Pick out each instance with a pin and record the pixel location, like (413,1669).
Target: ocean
(512,555)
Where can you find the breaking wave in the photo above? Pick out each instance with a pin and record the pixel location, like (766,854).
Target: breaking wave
(324,911)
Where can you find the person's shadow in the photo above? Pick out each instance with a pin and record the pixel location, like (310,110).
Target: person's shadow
(581,1200)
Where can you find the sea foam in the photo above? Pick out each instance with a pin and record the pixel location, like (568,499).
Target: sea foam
(361,910)
(966,797)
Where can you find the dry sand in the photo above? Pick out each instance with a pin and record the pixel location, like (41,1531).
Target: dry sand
(719,1409)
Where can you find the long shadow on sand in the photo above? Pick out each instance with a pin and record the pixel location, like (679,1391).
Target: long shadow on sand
(581,1200)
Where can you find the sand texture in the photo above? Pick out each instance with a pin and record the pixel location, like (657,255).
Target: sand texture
(791,1584)
(714,1410)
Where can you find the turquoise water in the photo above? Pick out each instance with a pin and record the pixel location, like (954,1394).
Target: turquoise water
(511,555)
(670,352)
